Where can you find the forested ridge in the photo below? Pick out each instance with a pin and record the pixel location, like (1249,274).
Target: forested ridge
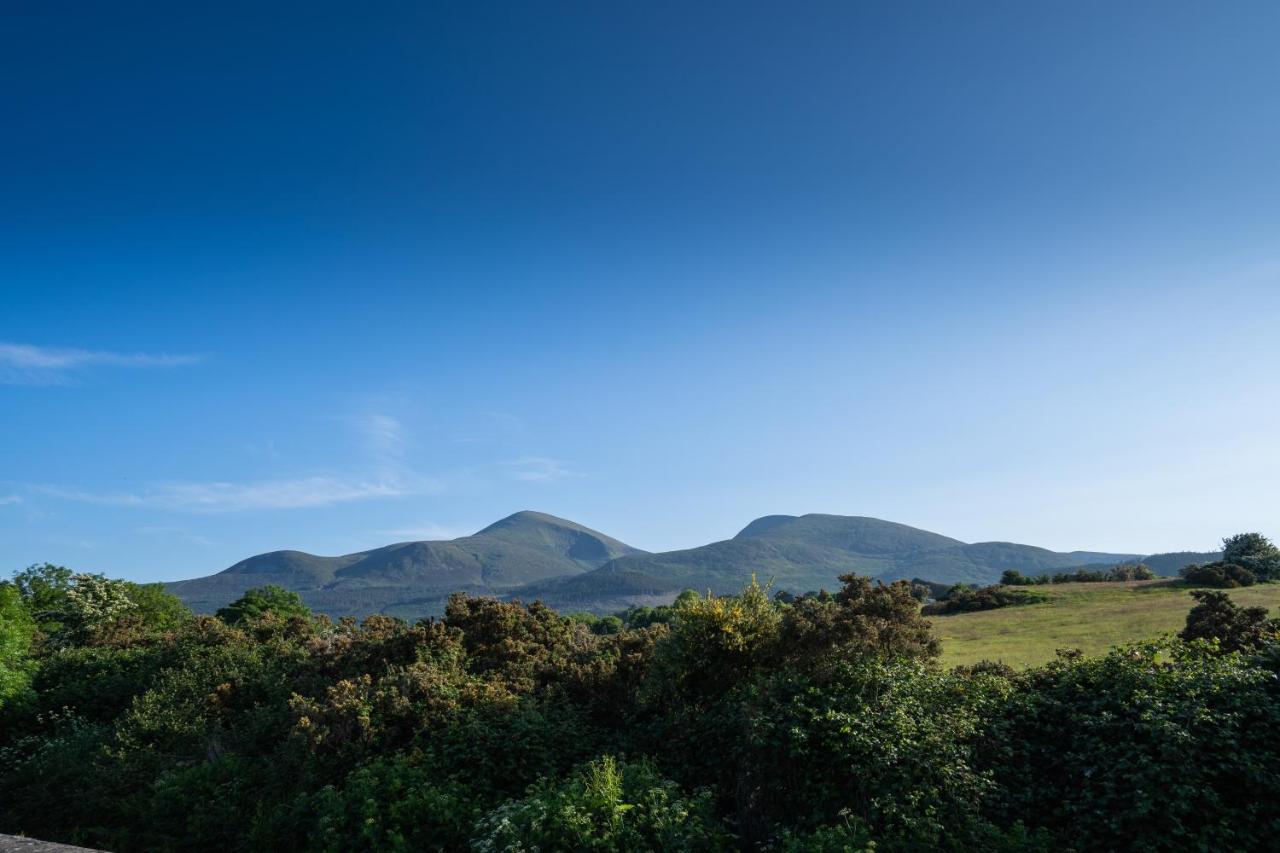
(743,722)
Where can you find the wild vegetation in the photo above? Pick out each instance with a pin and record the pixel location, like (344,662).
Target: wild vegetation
(1116,574)
(968,599)
(744,722)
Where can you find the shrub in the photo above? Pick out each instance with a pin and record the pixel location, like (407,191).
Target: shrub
(395,803)
(966,599)
(605,806)
(1153,747)
(1222,575)
(887,744)
(1131,572)
(1235,628)
(1119,573)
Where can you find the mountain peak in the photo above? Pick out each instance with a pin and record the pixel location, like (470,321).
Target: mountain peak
(531,518)
(764,524)
(859,533)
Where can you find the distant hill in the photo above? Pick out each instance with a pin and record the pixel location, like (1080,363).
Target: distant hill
(1165,565)
(1168,565)
(531,555)
(801,553)
(411,579)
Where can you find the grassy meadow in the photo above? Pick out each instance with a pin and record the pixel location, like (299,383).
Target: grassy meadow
(1091,617)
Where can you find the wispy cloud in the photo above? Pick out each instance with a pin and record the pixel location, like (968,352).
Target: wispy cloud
(541,469)
(8,500)
(384,442)
(175,533)
(216,497)
(25,364)
(428,530)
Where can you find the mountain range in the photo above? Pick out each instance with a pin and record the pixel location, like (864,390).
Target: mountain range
(532,555)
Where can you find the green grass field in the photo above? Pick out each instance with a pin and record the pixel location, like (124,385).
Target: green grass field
(1091,617)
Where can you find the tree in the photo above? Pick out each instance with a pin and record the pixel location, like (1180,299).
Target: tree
(155,609)
(1254,552)
(1235,628)
(259,601)
(16,628)
(88,605)
(43,589)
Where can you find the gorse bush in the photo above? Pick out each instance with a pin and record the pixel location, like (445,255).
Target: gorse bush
(1234,628)
(605,806)
(1222,575)
(967,599)
(748,722)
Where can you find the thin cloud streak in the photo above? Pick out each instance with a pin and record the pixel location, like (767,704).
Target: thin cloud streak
(26,364)
(218,497)
(432,532)
(541,469)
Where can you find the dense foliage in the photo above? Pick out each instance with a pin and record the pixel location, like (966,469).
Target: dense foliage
(746,722)
(1253,552)
(1216,618)
(1115,574)
(1246,559)
(968,599)
(1220,574)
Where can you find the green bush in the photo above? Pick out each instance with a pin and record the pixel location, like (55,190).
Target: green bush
(1153,747)
(16,630)
(398,804)
(967,599)
(888,744)
(1222,575)
(1215,617)
(604,806)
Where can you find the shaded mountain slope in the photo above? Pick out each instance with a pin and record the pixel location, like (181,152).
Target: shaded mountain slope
(801,553)
(413,578)
(532,555)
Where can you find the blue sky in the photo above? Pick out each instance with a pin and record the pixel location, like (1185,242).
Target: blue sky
(289,276)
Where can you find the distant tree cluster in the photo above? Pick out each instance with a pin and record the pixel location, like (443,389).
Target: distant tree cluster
(819,722)
(1246,559)
(1115,574)
(634,618)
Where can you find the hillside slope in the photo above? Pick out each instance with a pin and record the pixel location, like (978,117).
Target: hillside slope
(1091,617)
(800,553)
(412,579)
